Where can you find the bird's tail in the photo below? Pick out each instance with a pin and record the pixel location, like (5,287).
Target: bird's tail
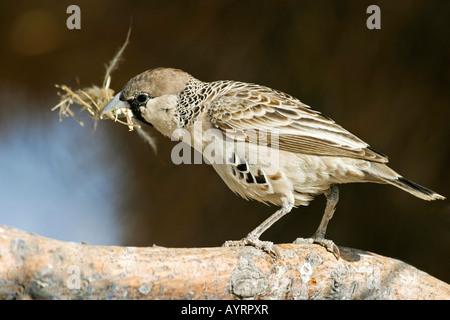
(387,175)
(416,189)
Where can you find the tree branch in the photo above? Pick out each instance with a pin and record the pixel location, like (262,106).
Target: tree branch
(35,267)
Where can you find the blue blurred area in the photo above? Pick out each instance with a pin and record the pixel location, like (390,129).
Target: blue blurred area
(55,179)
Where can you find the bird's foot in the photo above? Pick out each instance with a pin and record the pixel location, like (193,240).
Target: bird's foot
(253,241)
(327,244)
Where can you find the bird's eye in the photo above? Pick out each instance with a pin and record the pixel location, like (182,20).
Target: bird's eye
(142,97)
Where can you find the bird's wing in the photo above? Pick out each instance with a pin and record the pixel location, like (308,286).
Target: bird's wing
(246,108)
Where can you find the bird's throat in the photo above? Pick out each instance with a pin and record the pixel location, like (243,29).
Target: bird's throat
(135,108)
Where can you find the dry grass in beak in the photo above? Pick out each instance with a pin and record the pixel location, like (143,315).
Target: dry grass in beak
(94,99)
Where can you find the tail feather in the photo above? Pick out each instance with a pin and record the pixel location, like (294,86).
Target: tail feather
(416,189)
(382,172)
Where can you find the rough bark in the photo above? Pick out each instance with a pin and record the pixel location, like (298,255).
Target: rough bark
(35,267)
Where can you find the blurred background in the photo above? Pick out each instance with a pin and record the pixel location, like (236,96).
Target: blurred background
(106,186)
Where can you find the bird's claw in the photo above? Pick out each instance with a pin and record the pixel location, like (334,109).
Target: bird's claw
(266,246)
(327,244)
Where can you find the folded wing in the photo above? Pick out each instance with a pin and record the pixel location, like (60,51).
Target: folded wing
(246,109)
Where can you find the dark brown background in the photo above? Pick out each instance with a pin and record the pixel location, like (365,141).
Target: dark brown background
(390,87)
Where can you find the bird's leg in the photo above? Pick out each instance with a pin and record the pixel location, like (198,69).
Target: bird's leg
(252,238)
(319,237)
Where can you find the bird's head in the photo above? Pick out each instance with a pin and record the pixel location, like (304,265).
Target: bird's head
(152,96)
